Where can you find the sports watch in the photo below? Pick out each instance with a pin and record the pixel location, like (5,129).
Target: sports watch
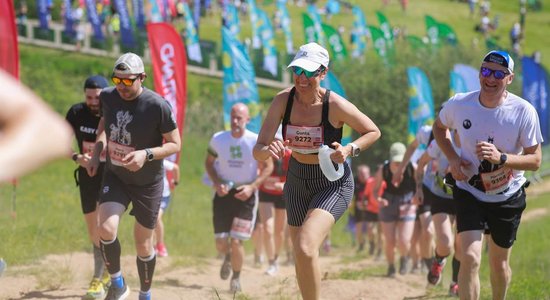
(503,158)
(149,154)
(355,150)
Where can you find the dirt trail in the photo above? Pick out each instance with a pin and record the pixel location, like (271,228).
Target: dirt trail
(67,276)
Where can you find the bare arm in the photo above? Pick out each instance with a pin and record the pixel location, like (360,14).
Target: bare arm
(529,160)
(443,139)
(31,133)
(398,175)
(217,183)
(266,146)
(100,142)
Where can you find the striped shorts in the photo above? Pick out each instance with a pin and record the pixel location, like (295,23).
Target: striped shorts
(307,188)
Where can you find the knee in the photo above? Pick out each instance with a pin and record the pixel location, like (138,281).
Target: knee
(235,243)
(305,249)
(501,267)
(470,260)
(107,231)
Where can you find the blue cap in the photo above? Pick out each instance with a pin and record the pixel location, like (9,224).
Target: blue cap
(96,82)
(502,58)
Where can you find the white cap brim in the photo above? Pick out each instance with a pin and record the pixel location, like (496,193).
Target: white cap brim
(305,64)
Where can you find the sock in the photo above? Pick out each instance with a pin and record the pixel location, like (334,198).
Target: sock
(99,264)
(456,268)
(111,254)
(117,281)
(144,295)
(439,258)
(236,274)
(228,257)
(146,269)
(428,262)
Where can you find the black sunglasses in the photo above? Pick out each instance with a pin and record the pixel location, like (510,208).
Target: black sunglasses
(498,74)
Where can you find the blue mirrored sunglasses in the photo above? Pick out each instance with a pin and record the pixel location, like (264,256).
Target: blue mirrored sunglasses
(309,74)
(498,74)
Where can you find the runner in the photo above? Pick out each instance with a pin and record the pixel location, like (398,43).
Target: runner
(168,183)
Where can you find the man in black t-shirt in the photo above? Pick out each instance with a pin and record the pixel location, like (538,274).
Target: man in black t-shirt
(84,118)
(138,129)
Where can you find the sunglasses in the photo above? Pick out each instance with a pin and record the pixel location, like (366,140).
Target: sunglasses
(125,81)
(498,74)
(309,74)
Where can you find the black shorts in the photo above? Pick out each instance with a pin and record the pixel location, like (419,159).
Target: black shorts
(501,219)
(365,216)
(145,199)
(277,200)
(439,205)
(234,218)
(89,188)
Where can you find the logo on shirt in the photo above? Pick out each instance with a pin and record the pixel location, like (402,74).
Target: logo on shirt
(467,124)
(119,133)
(236,152)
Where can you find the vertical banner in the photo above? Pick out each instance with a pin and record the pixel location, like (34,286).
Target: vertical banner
(421,104)
(169,62)
(139,13)
(432,30)
(43,13)
(126,31)
(464,79)
(385,27)
(316,18)
(231,19)
(535,90)
(331,82)
(416,43)
(309,29)
(9,51)
(94,19)
(379,42)
(256,40)
(286,25)
(68,19)
(239,83)
(447,34)
(196,13)
(336,45)
(358,33)
(191,36)
(267,36)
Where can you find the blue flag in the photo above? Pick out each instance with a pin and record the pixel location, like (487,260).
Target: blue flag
(94,19)
(331,82)
(191,36)
(268,43)
(285,24)
(126,31)
(68,18)
(463,79)
(239,83)
(421,104)
(359,32)
(535,90)
(43,13)
(231,19)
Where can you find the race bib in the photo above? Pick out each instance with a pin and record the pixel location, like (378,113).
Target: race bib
(241,228)
(305,139)
(117,152)
(496,181)
(88,148)
(270,183)
(407,210)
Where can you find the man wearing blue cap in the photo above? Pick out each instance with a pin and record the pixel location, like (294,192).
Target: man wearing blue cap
(84,118)
(500,138)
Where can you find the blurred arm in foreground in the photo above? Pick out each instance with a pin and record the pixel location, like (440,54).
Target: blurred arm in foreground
(31,133)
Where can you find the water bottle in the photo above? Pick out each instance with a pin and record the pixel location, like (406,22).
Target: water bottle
(229,184)
(326,165)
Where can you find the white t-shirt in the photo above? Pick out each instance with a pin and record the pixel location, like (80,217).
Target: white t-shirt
(234,160)
(168,166)
(433,178)
(512,126)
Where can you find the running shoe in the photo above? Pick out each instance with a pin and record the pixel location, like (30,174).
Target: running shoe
(403,265)
(96,290)
(161,250)
(106,280)
(391,271)
(434,276)
(453,289)
(225,270)
(118,293)
(272,269)
(235,285)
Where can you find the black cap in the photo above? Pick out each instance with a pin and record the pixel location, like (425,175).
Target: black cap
(96,82)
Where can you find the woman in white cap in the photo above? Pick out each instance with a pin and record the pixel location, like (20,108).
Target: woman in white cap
(312,116)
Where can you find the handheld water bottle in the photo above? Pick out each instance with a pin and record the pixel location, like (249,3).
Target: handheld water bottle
(326,165)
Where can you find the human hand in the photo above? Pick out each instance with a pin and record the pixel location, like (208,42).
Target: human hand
(340,153)
(134,160)
(456,166)
(92,166)
(488,151)
(244,192)
(277,148)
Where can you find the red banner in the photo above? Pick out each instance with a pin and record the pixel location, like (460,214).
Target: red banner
(9,53)
(169,68)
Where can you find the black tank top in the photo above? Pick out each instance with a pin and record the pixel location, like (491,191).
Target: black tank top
(407,185)
(330,133)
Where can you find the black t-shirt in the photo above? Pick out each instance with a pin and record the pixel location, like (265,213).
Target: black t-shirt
(84,124)
(135,125)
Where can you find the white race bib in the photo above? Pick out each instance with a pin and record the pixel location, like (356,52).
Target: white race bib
(117,152)
(496,181)
(305,139)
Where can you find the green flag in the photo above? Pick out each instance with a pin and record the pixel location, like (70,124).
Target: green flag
(310,34)
(335,42)
(415,42)
(447,34)
(385,27)
(378,41)
(432,30)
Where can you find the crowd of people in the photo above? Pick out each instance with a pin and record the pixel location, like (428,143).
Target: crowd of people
(466,187)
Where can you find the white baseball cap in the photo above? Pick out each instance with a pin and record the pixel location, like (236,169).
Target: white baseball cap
(310,57)
(129,63)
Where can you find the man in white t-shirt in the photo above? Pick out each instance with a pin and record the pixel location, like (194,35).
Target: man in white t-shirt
(500,137)
(236,176)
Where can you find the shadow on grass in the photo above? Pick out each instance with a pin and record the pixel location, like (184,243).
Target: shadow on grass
(45,294)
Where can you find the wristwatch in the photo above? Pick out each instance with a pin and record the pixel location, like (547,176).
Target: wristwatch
(503,158)
(355,150)
(149,154)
